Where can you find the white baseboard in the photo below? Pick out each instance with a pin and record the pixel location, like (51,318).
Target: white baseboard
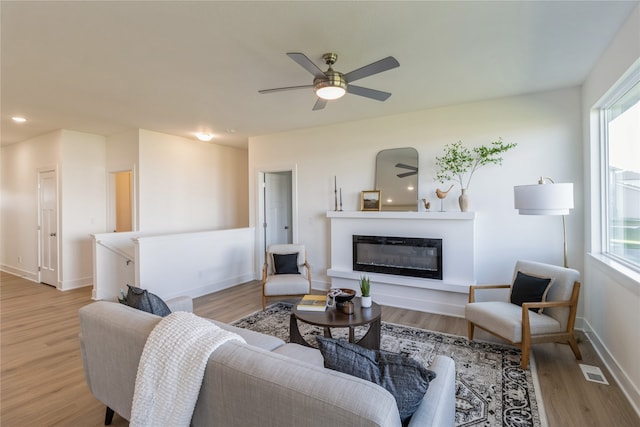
(67,285)
(214,287)
(629,389)
(33,276)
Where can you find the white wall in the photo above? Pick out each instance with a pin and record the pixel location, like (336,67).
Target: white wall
(194,264)
(183,185)
(546,127)
(19,219)
(187,185)
(611,297)
(83,204)
(79,160)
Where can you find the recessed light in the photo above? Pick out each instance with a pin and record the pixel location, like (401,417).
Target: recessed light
(18,119)
(206,137)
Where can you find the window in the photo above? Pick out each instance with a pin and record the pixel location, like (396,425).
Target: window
(620,118)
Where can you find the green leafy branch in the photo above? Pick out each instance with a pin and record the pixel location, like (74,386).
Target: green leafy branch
(459,160)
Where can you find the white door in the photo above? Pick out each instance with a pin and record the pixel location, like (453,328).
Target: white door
(48,203)
(277,196)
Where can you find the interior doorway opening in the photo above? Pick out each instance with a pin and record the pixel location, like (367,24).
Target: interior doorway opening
(121,202)
(277,210)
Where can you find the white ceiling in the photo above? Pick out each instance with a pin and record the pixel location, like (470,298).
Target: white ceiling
(180,67)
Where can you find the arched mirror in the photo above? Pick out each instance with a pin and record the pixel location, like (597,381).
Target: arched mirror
(397,179)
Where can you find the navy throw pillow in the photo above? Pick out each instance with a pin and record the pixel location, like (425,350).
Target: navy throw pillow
(529,289)
(146,301)
(405,378)
(285,263)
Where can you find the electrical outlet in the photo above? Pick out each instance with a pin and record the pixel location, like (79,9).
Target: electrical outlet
(19,260)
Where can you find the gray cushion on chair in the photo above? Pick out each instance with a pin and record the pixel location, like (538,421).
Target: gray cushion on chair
(505,319)
(405,378)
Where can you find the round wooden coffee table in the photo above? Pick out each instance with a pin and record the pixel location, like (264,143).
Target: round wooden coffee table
(335,318)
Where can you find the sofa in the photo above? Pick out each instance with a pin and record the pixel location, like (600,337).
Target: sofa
(263,382)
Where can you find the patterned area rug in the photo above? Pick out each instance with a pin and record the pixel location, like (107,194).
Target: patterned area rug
(491,389)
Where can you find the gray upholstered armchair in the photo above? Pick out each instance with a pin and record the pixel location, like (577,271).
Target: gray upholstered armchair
(286,272)
(503,310)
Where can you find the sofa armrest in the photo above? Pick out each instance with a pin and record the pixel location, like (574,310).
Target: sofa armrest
(438,407)
(182,303)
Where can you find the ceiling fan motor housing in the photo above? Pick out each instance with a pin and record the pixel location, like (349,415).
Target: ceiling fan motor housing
(331,79)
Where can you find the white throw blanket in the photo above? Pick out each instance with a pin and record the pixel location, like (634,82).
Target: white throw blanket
(172,367)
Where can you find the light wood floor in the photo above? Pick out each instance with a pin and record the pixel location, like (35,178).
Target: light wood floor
(42,381)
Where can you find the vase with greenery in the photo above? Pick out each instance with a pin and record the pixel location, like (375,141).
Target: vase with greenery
(365,289)
(459,163)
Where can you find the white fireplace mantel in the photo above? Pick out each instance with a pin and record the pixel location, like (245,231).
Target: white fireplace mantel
(436,215)
(446,296)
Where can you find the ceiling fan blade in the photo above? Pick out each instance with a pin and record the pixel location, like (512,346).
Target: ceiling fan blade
(281,89)
(403,166)
(320,104)
(374,68)
(306,63)
(406,174)
(378,95)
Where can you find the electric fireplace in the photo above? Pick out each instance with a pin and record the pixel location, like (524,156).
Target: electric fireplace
(403,256)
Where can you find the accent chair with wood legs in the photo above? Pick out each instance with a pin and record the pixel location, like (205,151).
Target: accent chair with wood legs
(286,272)
(539,306)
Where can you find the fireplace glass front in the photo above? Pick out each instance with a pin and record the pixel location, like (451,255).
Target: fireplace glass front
(403,256)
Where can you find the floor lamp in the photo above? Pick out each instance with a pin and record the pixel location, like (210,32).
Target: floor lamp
(545,198)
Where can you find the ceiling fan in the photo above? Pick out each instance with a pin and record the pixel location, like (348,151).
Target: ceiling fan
(329,85)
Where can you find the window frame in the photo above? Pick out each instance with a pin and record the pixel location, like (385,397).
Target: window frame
(602,108)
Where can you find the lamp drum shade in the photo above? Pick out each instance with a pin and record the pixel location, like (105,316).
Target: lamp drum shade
(543,199)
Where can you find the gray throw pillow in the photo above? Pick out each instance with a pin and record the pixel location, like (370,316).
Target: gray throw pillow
(146,301)
(405,378)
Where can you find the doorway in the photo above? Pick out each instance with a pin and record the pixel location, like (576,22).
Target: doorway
(48,227)
(121,201)
(276,210)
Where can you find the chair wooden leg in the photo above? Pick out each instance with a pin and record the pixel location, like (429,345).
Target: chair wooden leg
(264,302)
(471,329)
(525,348)
(108,417)
(574,346)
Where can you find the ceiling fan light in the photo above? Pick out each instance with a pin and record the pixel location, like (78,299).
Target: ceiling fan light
(330,92)
(333,86)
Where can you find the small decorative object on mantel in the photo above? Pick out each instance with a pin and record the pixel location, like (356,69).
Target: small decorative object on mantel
(427,205)
(335,193)
(458,160)
(365,288)
(370,200)
(442,195)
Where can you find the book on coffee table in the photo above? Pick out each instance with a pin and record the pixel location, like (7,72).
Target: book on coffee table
(313,303)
